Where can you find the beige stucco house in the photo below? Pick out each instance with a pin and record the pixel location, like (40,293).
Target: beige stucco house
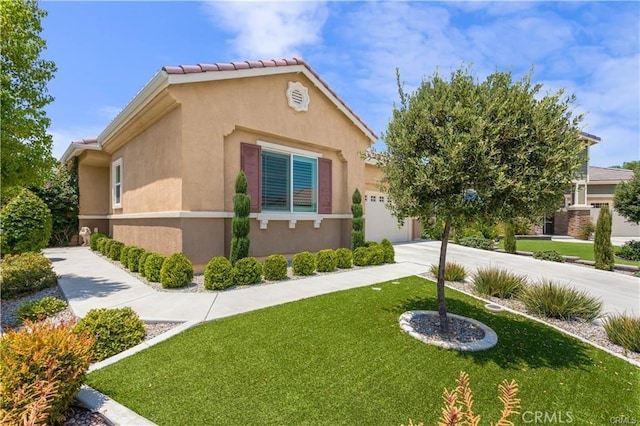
(161,175)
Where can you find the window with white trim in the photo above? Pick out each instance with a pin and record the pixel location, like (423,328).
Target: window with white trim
(116,183)
(289,182)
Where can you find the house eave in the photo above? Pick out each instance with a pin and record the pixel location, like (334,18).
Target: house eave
(75,149)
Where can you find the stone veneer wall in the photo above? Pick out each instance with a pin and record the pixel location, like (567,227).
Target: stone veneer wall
(560,223)
(577,218)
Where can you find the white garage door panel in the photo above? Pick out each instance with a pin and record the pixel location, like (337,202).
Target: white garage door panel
(380,223)
(619,225)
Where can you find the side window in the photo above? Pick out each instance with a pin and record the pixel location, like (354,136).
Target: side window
(116,179)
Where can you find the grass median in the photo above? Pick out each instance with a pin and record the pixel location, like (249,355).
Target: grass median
(341,358)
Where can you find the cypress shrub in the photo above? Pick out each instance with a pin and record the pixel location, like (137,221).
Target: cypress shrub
(304,263)
(152,267)
(133,259)
(218,274)
(176,271)
(275,267)
(326,260)
(240,225)
(247,271)
(101,243)
(124,256)
(510,245)
(345,258)
(26,224)
(115,249)
(141,261)
(93,240)
(389,251)
(357,223)
(361,256)
(375,254)
(602,247)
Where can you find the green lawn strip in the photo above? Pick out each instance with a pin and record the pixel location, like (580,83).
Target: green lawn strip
(582,250)
(341,358)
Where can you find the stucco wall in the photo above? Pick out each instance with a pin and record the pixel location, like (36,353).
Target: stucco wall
(152,168)
(93,183)
(163,236)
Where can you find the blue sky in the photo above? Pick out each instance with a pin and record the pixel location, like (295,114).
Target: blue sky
(107,51)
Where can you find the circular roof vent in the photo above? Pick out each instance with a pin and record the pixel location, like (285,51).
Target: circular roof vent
(298,96)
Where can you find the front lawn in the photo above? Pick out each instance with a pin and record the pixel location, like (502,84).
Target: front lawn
(341,358)
(582,250)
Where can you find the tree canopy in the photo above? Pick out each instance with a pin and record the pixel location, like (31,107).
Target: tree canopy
(26,146)
(629,165)
(626,199)
(459,148)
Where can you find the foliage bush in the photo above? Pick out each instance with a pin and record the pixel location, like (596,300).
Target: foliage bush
(549,299)
(586,230)
(498,282)
(106,247)
(247,271)
(389,251)
(624,330)
(433,229)
(134,257)
(60,194)
(602,247)
(510,242)
(124,256)
(550,255)
(114,330)
(102,245)
(218,274)
(153,266)
(478,243)
(141,262)
(361,256)
(326,260)
(26,224)
(452,272)
(630,250)
(37,310)
(275,267)
(375,254)
(23,273)
(42,367)
(344,257)
(240,224)
(357,223)
(176,271)
(115,248)
(304,263)
(94,239)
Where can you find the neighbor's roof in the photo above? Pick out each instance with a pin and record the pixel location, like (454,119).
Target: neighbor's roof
(76,147)
(603,174)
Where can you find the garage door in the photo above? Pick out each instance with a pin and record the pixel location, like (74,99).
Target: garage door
(619,225)
(380,223)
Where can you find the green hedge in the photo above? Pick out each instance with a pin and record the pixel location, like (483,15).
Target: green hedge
(247,271)
(275,267)
(304,263)
(176,271)
(326,260)
(218,274)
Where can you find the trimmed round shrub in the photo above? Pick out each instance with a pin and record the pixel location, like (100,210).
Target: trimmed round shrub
(326,260)
(375,255)
(549,299)
(344,257)
(498,282)
(26,224)
(115,330)
(134,257)
(630,250)
(101,243)
(24,273)
(275,267)
(550,255)
(141,261)
(152,267)
(38,310)
(389,251)
(361,256)
(452,271)
(106,248)
(94,238)
(218,274)
(115,249)
(304,263)
(124,256)
(42,368)
(176,272)
(247,271)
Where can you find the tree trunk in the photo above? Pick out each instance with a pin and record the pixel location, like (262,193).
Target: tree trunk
(442,303)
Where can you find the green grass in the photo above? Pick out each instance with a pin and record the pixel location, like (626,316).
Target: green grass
(582,250)
(341,358)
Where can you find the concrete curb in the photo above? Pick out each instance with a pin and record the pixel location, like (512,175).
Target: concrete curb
(115,413)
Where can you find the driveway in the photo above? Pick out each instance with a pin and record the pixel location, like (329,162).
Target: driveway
(619,292)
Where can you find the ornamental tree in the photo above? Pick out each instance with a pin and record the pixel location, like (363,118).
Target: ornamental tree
(26,146)
(602,247)
(460,149)
(240,224)
(626,199)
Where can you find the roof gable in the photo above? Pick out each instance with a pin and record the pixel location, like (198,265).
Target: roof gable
(615,175)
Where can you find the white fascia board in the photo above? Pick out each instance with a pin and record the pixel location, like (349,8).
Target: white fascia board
(74,149)
(287,149)
(257,72)
(157,83)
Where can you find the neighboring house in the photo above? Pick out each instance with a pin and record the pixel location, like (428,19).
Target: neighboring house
(600,191)
(161,175)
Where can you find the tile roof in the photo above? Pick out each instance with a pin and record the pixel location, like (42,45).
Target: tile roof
(609,174)
(235,66)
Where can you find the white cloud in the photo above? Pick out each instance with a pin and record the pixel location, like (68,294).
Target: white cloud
(266,30)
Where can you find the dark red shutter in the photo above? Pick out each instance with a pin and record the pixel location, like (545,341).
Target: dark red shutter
(324,186)
(251,165)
